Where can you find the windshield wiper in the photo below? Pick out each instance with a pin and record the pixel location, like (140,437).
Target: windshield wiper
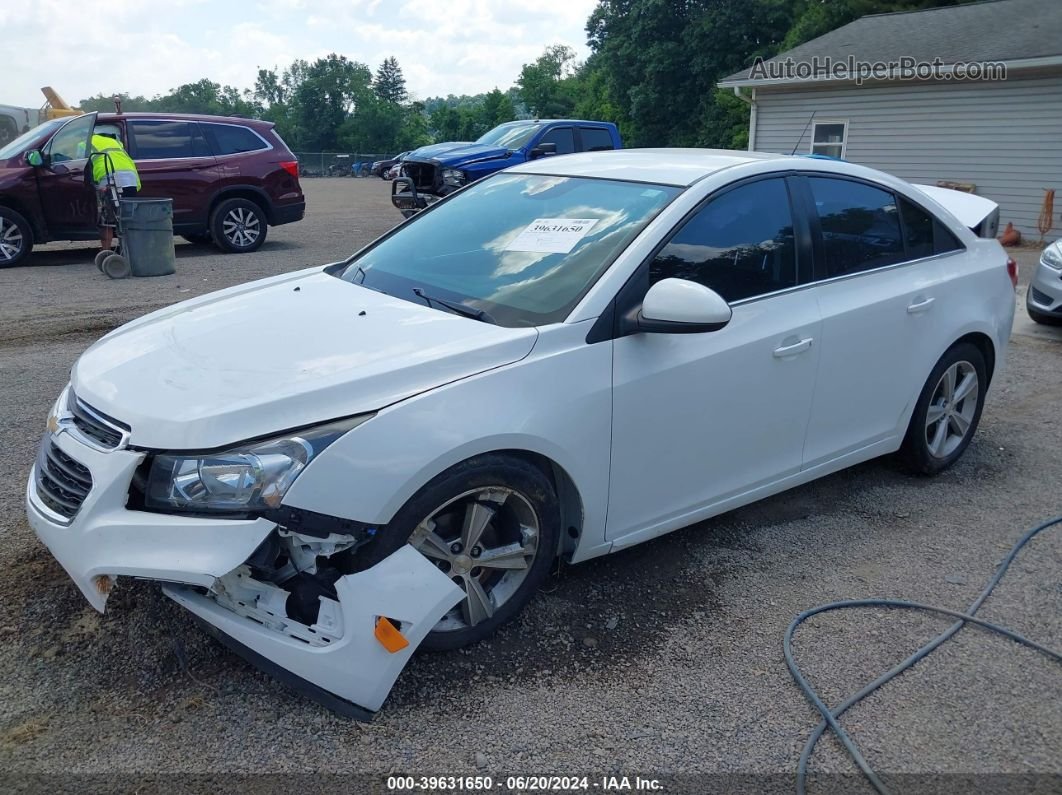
(454,306)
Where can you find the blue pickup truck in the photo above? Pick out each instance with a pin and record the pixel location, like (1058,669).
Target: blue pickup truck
(431,172)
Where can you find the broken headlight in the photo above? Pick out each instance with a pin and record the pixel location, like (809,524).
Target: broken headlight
(245,478)
(454,177)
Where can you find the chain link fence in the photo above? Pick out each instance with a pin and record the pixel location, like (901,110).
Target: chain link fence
(337,164)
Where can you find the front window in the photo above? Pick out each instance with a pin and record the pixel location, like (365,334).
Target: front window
(16,146)
(511,136)
(524,248)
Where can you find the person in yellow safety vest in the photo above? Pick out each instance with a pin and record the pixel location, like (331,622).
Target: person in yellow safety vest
(125,175)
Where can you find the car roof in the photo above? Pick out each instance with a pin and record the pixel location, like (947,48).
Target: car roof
(257,123)
(679,167)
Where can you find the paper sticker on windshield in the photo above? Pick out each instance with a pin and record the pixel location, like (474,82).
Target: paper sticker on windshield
(551,235)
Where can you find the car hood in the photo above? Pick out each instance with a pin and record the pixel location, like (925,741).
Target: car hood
(462,154)
(434,150)
(283,353)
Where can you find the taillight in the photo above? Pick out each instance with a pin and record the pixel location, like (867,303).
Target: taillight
(1012,271)
(292,167)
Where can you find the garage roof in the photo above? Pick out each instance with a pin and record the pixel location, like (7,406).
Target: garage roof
(1013,31)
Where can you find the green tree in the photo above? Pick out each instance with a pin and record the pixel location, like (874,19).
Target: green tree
(389,84)
(544,85)
(327,92)
(497,108)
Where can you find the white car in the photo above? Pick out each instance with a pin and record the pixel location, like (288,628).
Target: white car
(334,466)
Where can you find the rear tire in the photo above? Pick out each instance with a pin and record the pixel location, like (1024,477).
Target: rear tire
(514,507)
(16,237)
(238,226)
(948,411)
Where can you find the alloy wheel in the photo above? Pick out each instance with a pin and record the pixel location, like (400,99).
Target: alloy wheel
(485,540)
(952,409)
(241,227)
(11,240)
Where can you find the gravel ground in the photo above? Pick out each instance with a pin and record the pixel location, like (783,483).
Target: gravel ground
(661,660)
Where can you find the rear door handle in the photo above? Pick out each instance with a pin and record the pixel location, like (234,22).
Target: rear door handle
(923,305)
(793,349)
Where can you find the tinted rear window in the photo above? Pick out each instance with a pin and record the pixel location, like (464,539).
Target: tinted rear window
(165,140)
(595,139)
(925,234)
(227,139)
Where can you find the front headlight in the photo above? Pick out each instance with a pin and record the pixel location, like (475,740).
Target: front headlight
(1052,256)
(453,177)
(246,478)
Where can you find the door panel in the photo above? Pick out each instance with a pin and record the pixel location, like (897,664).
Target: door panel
(700,417)
(882,326)
(67,200)
(881,335)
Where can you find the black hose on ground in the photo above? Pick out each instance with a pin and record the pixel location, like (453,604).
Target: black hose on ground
(830,716)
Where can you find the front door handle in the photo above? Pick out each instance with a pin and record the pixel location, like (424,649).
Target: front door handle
(793,348)
(920,305)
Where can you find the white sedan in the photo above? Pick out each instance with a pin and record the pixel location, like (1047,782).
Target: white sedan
(334,466)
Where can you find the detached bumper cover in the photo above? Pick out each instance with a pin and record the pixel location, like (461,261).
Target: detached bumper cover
(404,587)
(350,671)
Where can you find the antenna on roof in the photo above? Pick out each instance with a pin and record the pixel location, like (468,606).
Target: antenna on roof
(805,132)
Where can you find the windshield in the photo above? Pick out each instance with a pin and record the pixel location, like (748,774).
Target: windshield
(15,147)
(524,248)
(511,136)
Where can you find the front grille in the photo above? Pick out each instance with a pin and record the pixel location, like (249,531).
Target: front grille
(1041,298)
(62,483)
(99,428)
(422,174)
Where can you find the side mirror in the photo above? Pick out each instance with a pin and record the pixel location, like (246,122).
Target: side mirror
(543,149)
(34,158)
(679,306)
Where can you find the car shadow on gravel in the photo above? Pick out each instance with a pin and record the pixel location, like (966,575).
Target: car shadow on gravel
(85,255)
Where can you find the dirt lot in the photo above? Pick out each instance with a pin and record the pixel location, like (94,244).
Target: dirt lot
(665,659)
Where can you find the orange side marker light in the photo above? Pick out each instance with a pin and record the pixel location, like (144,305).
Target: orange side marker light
(389,635)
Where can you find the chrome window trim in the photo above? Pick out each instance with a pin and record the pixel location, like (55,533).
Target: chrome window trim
(846,276)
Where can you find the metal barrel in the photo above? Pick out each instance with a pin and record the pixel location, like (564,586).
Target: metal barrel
(147,236)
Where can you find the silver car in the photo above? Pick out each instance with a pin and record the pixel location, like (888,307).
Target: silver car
(1044,299)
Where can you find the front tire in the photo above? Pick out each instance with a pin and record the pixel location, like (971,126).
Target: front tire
(16,237)
(238,226)
(948,411)
(491,524)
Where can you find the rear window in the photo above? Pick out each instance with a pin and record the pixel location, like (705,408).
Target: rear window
(595,139)
(925,234)
(228,139)
(166,140)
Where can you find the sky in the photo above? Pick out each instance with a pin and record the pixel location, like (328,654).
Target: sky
(443,46)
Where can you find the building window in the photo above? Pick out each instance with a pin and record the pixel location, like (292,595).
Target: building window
(829,138)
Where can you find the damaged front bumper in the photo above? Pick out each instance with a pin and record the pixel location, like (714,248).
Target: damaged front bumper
(347,657)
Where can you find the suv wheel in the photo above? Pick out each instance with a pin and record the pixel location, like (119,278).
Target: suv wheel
(16,237)
(238,226)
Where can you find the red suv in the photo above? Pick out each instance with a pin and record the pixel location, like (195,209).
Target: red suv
(229,179)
